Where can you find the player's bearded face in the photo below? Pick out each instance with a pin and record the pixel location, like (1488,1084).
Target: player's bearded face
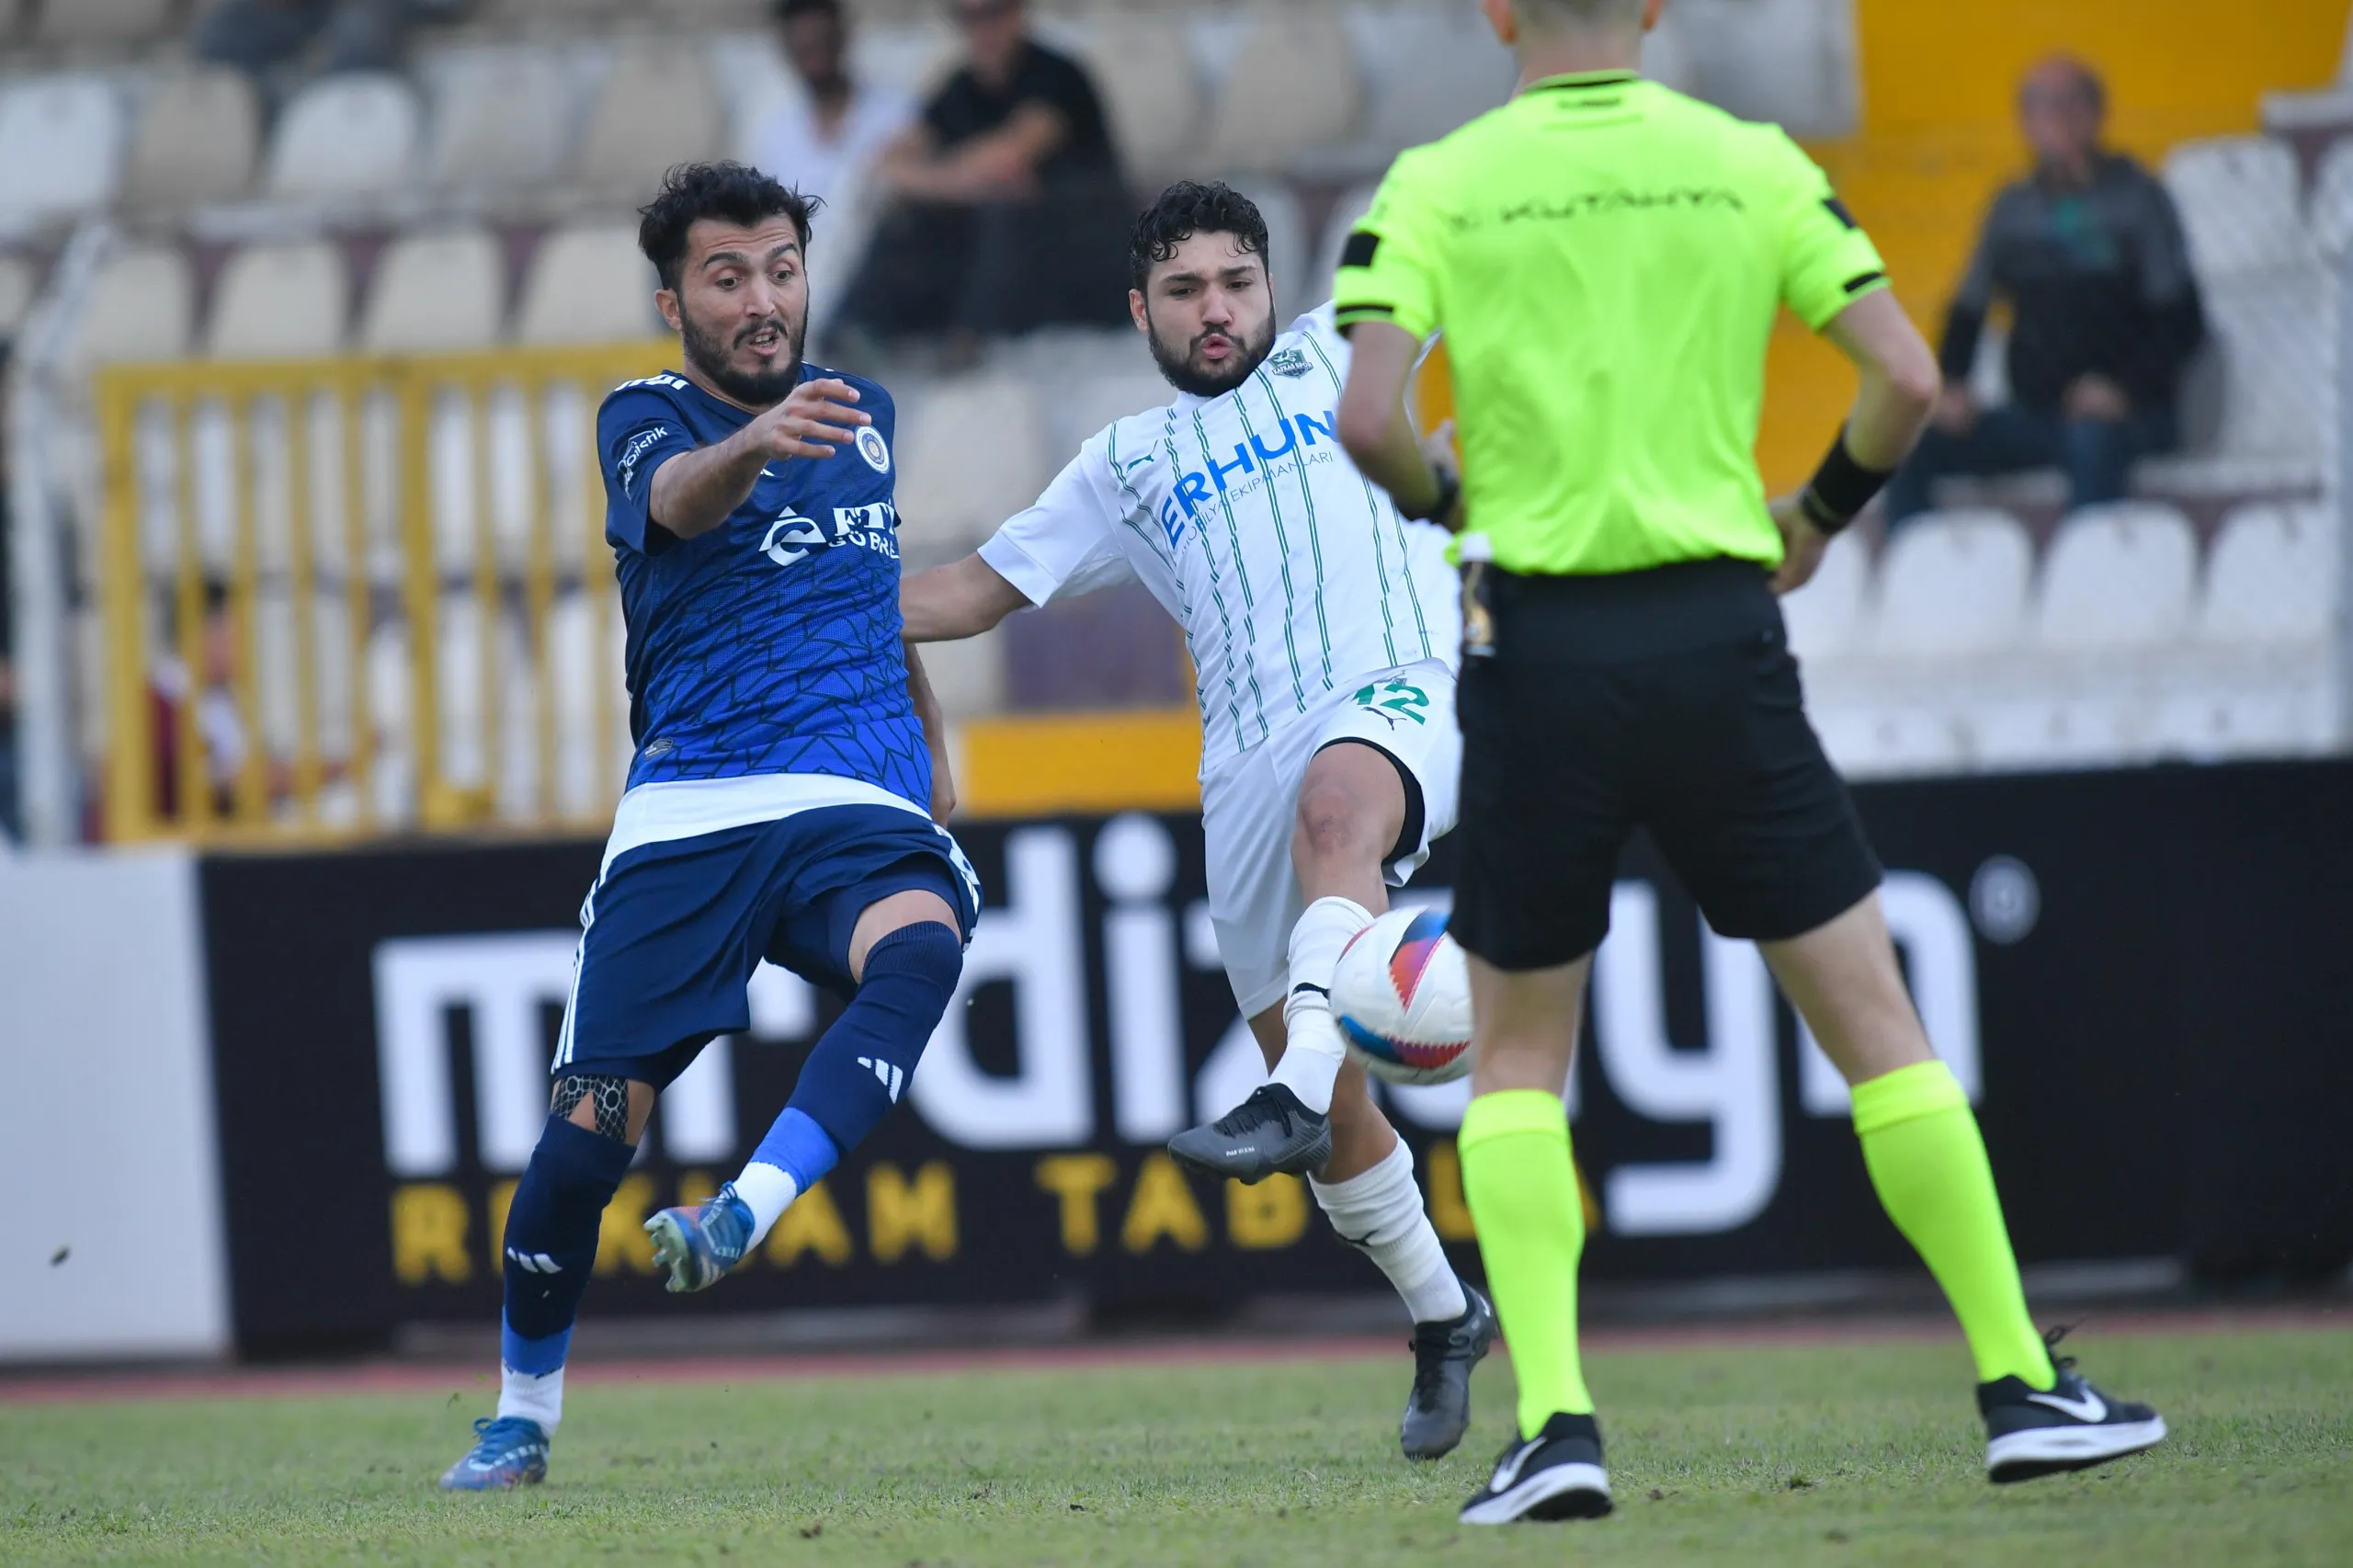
(754,359)
(1211,342)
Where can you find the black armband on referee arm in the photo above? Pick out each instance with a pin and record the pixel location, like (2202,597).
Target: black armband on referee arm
(1450,491)
(1840,488)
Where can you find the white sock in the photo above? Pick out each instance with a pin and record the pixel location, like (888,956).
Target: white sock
(540,1398)
(1379,1213)
(768,1192)
(1313,1050)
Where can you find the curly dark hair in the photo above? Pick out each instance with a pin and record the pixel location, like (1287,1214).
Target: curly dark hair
(1190,207)
(734,192)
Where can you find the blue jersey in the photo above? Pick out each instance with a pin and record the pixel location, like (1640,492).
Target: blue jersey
(770,644)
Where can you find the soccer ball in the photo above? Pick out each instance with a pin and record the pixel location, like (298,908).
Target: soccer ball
(1403,996)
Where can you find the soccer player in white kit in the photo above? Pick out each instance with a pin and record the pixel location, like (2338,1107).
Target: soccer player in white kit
(1325,631)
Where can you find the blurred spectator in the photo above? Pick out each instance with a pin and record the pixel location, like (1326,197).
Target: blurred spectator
(269,39)
(1008,211)
(211,703)
(2088,253)
(823,142)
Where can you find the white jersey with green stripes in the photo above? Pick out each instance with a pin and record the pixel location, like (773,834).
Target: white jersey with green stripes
(1290,573)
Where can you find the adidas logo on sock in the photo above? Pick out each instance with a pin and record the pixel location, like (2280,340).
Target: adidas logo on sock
(893,1078)
(534,1262)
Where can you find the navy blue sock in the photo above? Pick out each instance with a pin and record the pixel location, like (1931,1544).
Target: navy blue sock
(861,1066)
(551,1232)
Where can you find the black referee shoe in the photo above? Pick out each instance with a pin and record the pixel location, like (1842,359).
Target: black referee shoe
(2033,1432)
(1439,1410)
(1269,1131)
(1556,1474)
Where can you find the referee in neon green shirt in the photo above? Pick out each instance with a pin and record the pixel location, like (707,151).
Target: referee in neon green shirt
(1606,258)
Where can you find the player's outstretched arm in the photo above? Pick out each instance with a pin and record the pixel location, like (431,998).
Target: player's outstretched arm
(695,492)
(964,599)
(1899,383)
(1378,432)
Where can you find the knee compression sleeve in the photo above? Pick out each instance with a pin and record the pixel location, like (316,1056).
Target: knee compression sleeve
(860,1068)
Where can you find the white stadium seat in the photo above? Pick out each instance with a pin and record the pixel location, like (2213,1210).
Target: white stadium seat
(282,301)
(2118,578)
(2273,579)
(1150,90)
(501,118)
(657,105)
(2239,204)
(1094,402)
(141,305)
(1825,618)
(100,22)
(2331,219)
(1954,583)
(970,455)
(199,133)
(61,148)
(1429,69)
(2275,330)
(436,290)
(352,135)
(18,283)
(587,284)
(1293,86)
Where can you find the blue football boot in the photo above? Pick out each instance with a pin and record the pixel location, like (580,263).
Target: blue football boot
(509,1451)
(698,1246)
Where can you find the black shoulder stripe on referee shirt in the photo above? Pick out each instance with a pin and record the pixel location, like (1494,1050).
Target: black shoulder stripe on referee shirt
(1837,210)
(1862,280)
(1364,310)
(1361,249)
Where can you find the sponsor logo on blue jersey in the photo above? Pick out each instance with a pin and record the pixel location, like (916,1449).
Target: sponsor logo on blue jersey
(1252,459)
(791,536)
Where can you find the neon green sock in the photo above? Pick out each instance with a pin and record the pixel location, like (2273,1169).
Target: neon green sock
(1927,1161)
(1522,1188)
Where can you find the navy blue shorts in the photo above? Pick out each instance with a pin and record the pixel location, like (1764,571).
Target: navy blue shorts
(672,931)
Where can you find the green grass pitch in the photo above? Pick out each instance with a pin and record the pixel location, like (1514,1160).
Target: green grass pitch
(1760,1457)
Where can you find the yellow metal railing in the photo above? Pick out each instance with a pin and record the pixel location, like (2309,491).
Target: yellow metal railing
(284,544)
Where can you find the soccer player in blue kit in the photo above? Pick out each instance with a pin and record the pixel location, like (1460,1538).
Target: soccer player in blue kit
(778,804)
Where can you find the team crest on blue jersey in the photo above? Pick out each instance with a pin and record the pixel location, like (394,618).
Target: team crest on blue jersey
(873,449)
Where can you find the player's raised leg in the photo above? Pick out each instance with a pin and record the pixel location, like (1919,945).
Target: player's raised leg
(906,954)
(552,1225)
(1928,1162)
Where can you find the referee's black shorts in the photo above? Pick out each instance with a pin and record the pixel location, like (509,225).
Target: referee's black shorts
(1665,699)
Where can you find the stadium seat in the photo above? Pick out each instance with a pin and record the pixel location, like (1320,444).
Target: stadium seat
(1887,740)
(1954,583)
(1291,87)
(82,23)
(501,120)
(1825,618)
(2331,219)
(2274,329)
(968,676)
(1354,203)
(2273,579)
(657,105)
(353,135)
(61,148)
(2037,734)
(436,290)
(1428,69)
(141,305)
(970,455)
(280,301)
(2239,203)
(198,135)
(2116,578)
(587,284)
(1288,244)
(1094,402)
(2278,717)
(1145,72)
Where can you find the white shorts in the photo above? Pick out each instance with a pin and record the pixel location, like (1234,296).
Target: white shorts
(1250,804)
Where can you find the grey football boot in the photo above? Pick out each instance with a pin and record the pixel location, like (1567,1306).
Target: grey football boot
(1439,1410)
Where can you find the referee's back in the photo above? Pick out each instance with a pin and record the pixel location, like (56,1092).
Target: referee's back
(1606,257)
